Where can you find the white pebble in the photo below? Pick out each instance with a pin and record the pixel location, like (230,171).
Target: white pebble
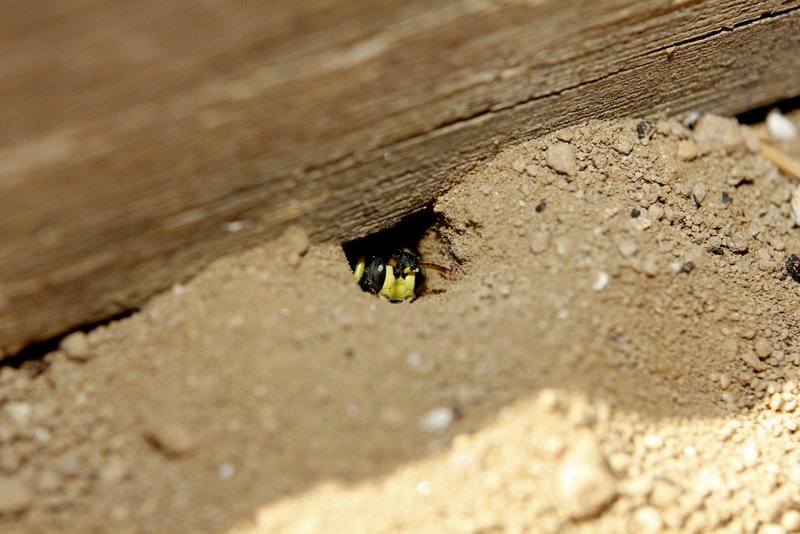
(437,420)
(790,424)
(600,281)
(226,471)
(791,520)
(776,401)
(424,488)
(653,442)
(178,289)
(414,359)
(750,453)
(237,226)
(780,128)
(648,519)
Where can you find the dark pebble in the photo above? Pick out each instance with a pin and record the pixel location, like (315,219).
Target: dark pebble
(635,213)
(726,198)
(793,267)
(717,251)
(644,129)
(687,267)
(541,207)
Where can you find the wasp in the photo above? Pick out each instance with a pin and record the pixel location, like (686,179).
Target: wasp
(396,276)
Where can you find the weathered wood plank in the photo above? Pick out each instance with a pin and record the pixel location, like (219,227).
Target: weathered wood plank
(132,133)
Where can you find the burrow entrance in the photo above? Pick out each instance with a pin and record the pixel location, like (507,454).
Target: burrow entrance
(420,233)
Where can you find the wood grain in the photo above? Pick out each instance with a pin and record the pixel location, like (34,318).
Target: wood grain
(132,134)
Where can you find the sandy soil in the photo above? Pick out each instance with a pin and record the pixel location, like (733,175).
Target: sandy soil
(615,352)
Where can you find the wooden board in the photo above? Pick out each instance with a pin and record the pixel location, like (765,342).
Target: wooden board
(133,134)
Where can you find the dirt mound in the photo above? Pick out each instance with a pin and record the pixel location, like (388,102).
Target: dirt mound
(615,351)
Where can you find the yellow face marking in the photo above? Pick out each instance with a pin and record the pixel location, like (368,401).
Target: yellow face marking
(398,288)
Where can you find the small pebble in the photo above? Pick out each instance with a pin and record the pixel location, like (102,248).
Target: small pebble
(423,487)
(540,207)
(626,247)
(644,130)
(687,150)
(437,420)
(763,348)
(653,442)
(585,483)
(713,132)
(648,519)
(753,361)
(724,382)
(414,359)
(15,496)
(76,346)
(793,267)
(726,198)
(226,470)
(539,242)
(623,145)
(237,226)
(600,281)
(171,438)
(738,244)
(561,158)
(655,212)
(780,128)
(750,453)
(699,194)
(791,520)
(519,165)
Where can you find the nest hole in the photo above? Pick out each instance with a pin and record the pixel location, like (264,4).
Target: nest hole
(419,233)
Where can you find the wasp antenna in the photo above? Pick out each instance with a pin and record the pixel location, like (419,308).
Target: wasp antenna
(437,268)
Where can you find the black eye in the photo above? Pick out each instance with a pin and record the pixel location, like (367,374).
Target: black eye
(376,274)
